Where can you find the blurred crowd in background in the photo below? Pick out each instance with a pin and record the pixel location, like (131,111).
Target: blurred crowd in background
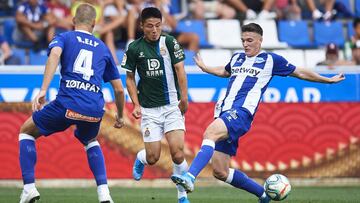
(27,26)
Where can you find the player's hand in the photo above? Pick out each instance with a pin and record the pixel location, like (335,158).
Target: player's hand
(39,101)
(199,62)
(183,106)
(337,78)
(119,122)
(137,112)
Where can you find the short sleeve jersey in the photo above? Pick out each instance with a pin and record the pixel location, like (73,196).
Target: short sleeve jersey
(85,63)
(249,78)
(154,62)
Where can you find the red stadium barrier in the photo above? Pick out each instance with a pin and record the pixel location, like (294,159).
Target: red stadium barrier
(299,139)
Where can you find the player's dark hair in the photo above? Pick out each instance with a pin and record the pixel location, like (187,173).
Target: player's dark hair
(356,22)
(252,27)
(150,12)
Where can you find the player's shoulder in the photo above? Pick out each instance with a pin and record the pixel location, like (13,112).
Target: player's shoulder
(135,44)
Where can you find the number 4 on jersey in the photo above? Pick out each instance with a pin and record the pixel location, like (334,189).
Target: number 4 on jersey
(83,64)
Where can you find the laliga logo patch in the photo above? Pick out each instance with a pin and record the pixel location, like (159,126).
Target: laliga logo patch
(147,132)
(123,62)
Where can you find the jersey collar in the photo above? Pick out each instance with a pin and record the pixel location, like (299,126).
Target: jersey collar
(83,31)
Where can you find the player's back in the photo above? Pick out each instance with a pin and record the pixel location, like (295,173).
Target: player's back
(85,62)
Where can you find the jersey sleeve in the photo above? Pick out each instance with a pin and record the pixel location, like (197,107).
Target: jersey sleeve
(111,72)
(281,66)
(128,62)
(175,50)
(57,41)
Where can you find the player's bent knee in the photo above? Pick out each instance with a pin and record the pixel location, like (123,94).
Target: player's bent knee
(220,174)
(178,157)
(152,159)
(30,128)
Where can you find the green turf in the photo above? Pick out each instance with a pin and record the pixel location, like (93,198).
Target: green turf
(201,195)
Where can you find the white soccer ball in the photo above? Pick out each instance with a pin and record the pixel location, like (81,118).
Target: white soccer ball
(277,187)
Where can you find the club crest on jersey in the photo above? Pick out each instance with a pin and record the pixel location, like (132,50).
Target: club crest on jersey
(259,60)
(147,132)
(162,51)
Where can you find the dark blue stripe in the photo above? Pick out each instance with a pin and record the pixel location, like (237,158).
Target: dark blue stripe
(166,89)
(240,60)
(247,85)
(260,60)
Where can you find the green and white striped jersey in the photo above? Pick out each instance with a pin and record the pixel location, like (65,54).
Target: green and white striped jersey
(154,62)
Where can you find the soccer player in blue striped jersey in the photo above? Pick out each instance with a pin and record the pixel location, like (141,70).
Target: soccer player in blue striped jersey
(250,72)
(85,62)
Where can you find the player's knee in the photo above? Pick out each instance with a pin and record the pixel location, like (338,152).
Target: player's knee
(220,174)
(30,128)
(152,159)
(178,157)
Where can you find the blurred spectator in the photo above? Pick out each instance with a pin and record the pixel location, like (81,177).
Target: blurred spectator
(217,9)
(34,23)
(6,55)
(62,15)
(355,42)
(251,7)
(320,9)
(332,58)
(189,40)
(287,10)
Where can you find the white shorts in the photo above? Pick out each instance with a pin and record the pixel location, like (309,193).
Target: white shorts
(157,121)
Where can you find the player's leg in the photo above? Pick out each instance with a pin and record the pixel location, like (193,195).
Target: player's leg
(175,139)
(236,178)
(27,157)
(215,131)
(86,133)
(44,122)
(152,130)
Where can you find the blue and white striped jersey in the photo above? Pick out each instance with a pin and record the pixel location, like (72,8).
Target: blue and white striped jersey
(249,79)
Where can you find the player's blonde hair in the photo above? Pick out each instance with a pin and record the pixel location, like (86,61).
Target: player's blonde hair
(85,14)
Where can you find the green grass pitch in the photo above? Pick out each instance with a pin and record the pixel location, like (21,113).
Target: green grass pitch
(200,195)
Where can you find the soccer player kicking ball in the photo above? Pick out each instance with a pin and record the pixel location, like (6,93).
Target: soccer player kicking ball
(85,61)
(249,71)
(160,98)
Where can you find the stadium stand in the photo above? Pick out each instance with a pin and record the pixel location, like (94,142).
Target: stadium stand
(197,26)
(294,56)
(224,33)
(329,32)
(37,57)
(290,30)
(189,58)
(215,57)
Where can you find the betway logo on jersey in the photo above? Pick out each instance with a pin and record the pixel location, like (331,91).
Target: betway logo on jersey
(82,86)
(250,71)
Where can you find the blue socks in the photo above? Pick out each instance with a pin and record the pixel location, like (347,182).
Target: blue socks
(202,158)
(27,157)
(240,180)
(96,162)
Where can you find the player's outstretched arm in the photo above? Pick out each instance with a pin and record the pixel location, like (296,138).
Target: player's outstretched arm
(50,68)
(218,71)
(310,75)
(119,101)
(132,90)
(182,80)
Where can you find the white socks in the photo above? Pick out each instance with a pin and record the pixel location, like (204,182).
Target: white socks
(141,155)
(180,169)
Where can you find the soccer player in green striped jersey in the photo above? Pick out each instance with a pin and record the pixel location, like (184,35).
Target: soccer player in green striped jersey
(160,96)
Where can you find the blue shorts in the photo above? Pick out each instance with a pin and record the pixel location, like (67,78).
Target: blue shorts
(238,122)
(53,118)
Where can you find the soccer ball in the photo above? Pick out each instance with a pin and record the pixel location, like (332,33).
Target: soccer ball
(277,187)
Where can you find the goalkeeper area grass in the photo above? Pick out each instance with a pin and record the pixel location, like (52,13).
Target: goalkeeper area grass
(200,195)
